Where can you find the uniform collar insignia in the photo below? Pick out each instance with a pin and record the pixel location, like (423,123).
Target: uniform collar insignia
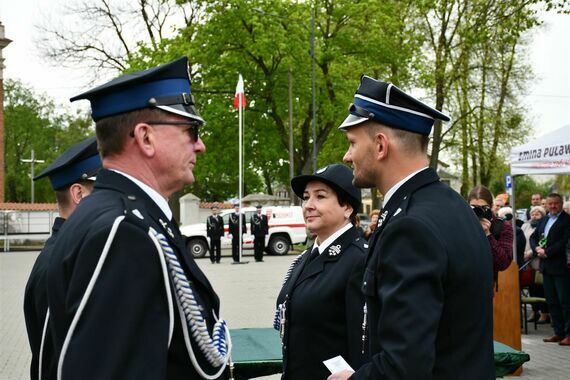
(166,227)
(382,218)
(138,214)
(334,250)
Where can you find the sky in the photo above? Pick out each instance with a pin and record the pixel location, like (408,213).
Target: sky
(547,100)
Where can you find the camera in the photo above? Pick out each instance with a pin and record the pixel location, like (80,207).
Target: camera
(483,212)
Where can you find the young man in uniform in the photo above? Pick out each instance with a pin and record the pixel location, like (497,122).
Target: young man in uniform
(428,278)
(71,176)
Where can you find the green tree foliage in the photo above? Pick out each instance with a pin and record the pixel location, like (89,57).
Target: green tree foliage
(481,81)
(262,40)
(466,55)
(525,186)
(32,123)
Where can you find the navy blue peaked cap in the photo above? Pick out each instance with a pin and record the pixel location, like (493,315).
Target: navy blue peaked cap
(337,176)
(80,162)
(388,105)
(166,87)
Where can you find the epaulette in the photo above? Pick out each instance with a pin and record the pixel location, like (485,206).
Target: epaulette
(135,210)
(361,243)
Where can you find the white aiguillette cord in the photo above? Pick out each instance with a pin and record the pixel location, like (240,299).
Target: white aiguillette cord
(216,349)
(281,307)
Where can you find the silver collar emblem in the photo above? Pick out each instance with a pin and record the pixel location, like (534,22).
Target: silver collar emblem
(334,250)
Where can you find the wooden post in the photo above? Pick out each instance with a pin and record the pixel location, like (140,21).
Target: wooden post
(506,310)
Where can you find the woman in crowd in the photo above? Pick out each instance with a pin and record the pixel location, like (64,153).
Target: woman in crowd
(499,233)
(539,311)
(373,223)
(320,307)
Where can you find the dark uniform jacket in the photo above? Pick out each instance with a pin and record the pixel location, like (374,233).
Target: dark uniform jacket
(428,288)
(555,261)
(258,225)
(35,308)
(324,309)
(215,227)
(124,326)
(234,225)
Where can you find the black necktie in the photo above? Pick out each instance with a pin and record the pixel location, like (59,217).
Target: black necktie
(314,254)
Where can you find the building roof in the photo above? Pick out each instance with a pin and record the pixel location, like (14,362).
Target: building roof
(13,206)
(221,205)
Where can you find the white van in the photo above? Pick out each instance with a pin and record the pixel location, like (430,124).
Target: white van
(286,227)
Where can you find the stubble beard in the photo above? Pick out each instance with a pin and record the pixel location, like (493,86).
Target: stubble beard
(364,179)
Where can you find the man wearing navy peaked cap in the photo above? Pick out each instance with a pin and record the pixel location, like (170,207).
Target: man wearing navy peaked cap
(234,229)
(259,229)
(428,279)
(71,175)
(126,298)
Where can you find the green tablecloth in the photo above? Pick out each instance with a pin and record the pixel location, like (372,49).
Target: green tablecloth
(257,352)
(507,359)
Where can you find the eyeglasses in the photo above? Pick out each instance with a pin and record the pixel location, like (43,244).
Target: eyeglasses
(192,130)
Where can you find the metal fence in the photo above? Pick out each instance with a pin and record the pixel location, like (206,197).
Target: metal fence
(19,226)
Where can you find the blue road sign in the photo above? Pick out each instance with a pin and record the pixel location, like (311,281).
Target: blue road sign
(508,182)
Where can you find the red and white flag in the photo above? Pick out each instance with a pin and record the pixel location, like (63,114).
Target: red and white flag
(239,98)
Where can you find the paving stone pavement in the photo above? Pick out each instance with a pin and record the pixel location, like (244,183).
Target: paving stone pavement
(247,293)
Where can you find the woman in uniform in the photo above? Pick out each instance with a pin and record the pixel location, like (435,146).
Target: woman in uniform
(320,307)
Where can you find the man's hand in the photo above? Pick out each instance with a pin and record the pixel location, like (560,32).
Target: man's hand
(342,375)
(540,252)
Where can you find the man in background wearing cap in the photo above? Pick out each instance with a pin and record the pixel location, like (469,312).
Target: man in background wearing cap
(215,231)
(126,299)
(71,176)
(259,228)
(233,226)
(428,279)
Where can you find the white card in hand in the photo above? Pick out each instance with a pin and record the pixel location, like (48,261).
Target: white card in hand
(337,364)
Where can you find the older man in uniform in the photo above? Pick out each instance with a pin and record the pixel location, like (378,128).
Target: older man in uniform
(71,176)
(428,279)
(126,299)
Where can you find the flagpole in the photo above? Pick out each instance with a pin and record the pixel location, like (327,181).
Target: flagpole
(240,180)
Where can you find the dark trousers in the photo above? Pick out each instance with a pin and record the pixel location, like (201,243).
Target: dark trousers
(215,250)
(258,247)
(557,292)
(235,248)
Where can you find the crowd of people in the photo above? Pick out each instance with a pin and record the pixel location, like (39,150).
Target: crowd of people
(115,294)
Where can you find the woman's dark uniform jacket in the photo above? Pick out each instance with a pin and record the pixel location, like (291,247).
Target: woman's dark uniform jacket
(428,287)
(36,305)
(324,310)
(123,332)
